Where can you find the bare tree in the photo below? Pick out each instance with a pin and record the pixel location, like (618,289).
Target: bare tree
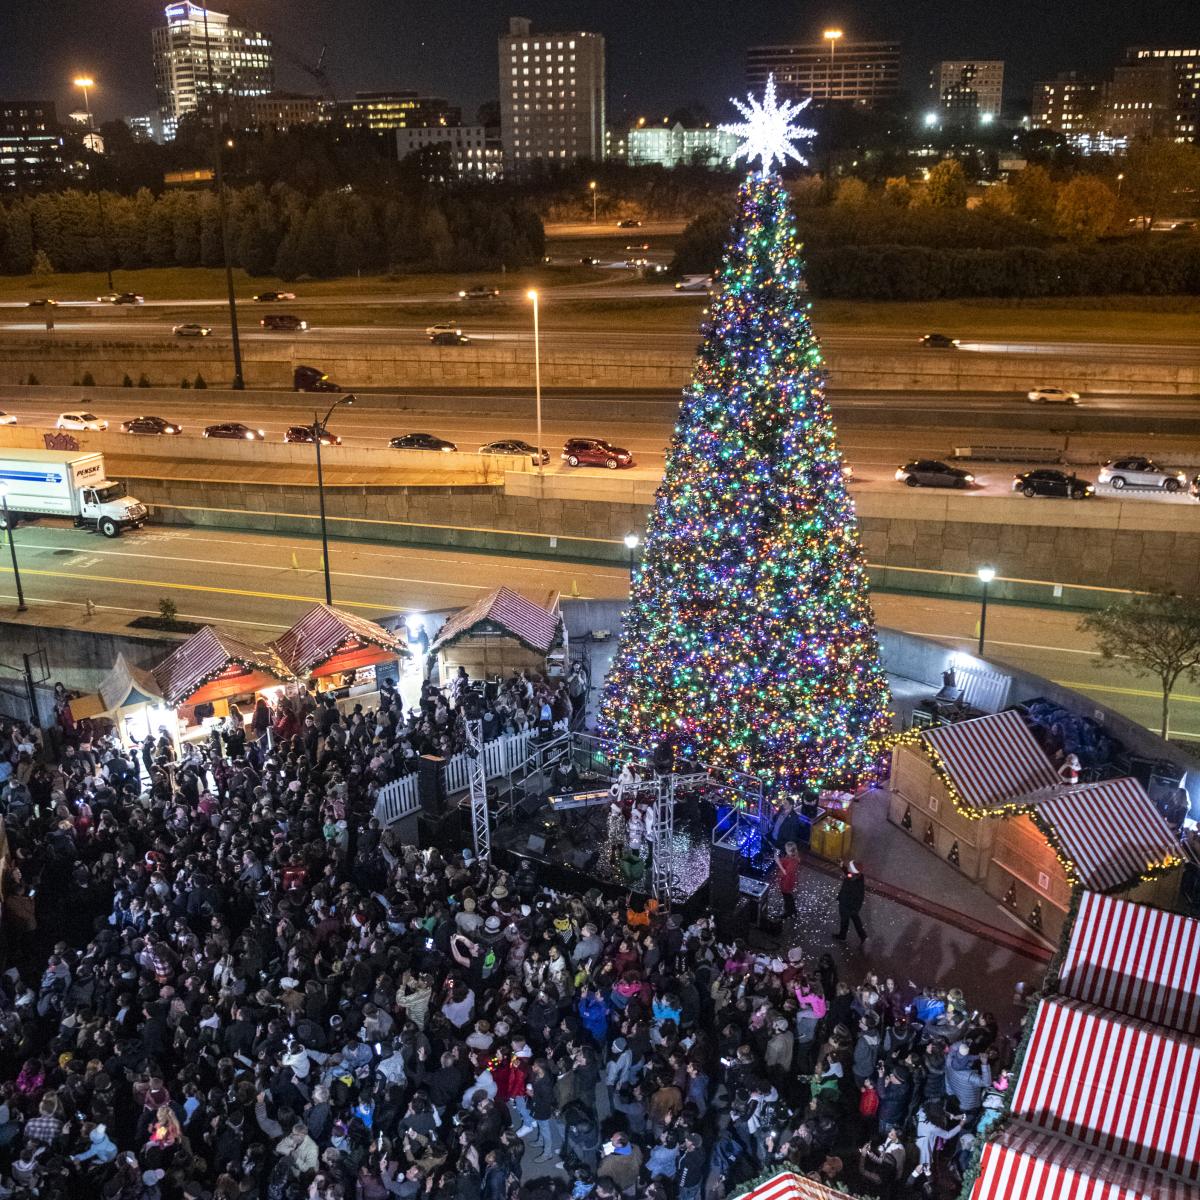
(1156,635)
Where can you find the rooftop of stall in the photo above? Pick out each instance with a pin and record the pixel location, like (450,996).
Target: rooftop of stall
(502,632)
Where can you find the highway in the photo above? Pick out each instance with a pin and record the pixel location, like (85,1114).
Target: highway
(259,584)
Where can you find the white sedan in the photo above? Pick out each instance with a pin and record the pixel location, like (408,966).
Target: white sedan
(434,330)
(6,418)
(1053,395)
(82,422)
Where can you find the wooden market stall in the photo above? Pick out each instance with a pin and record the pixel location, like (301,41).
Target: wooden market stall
(131,699)
(501,633)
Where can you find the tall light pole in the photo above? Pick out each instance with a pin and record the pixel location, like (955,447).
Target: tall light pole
(86,83)
(537,375)
(319,429)
(632,541)
(222,211)
(12,547)
(592,186)
(1120,180)
(832,36)
(986,575)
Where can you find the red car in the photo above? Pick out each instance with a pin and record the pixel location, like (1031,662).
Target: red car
(595,452)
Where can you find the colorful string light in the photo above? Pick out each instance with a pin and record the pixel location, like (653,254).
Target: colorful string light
(750,642)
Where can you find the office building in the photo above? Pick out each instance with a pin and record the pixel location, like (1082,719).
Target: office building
(860,73)
(551,96)
(31,145)
(464,151)
(964,88)
(278,110)
(382,112)
(144,128)
(243,62)
(1071,104)
(1141,100)
(1184,66)
(675,145)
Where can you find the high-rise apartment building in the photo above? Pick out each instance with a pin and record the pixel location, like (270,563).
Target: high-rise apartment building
(968,87)
(382,112)
(31,145)
(1184,67)
(551,96)
(1070,104)
(861,73)
(243,62)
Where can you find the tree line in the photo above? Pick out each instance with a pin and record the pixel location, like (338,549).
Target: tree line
(278,231)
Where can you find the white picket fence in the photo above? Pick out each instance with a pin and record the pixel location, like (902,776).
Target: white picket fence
(501,756)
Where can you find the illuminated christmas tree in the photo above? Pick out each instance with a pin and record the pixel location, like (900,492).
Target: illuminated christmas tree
(750,641)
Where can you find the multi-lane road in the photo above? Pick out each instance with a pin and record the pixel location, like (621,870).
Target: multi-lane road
(261,583)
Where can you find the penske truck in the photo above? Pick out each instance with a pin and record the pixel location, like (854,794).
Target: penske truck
(54,483)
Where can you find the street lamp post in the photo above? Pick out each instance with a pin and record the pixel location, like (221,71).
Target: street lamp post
(986,575)
(632,541)
(537,375)
(222,211)
(12,547)
(319,429)
(1120,180)
(592,186)
(86,82)
(832,36)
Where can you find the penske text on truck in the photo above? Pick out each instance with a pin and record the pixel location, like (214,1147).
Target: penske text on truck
(54,483)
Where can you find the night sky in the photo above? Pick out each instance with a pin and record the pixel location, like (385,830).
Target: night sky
(661,53)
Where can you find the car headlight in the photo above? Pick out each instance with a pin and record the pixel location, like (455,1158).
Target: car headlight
(900,473)
(968,479)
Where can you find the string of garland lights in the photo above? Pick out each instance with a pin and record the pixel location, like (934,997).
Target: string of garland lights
(750,642)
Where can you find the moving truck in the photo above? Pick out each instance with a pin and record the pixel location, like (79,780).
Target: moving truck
(55,483)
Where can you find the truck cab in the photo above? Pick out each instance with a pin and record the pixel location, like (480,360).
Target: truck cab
(105,506)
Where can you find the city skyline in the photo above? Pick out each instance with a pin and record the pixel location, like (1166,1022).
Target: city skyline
(453,50)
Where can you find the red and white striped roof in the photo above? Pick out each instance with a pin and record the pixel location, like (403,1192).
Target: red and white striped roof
(1135,960)
(207,653)
(993,761)
(504,611)
(1025,1164)
(322,630)
(1114,1084)
(789,1186)
(1110,832)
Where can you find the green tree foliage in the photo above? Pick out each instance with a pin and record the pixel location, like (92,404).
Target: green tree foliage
(851,193)
(897,191)
(1157,171)
(946,186)
(998,200)
(42,264)
(1035,195)
(1085,209)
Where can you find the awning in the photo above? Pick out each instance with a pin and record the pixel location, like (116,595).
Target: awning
(125,684)
(1112,1083)
(993,762)
(789,1186)
(1024,1164)
(1135,960)
(1110,832)
(212,666)
(507,613)
(327,641)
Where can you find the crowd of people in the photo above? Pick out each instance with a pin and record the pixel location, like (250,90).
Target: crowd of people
(225,981)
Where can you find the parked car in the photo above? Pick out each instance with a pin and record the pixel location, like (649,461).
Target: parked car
(1052,395)
(421,441)
(479,291)
(442,327)
(516,446)
(283,321)
(6,418)
(1140,472)
(191,329)
(1047,482)
(42,302)
(152,426)
(236,431)
(595,452)
(939,341)
(271,297)
(629,223)
(129,298)
(304,433)
(929,472)
(81,421)
(313,379)
(449,337)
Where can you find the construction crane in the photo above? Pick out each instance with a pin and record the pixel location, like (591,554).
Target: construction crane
(315,71)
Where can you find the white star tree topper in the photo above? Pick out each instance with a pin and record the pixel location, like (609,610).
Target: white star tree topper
(767,133)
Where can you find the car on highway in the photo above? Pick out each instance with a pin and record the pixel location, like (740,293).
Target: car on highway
(638,246)
(6,418)
(81,421)
(151,426)
(930,472)
(1137,471)
(42,302)
(128,298)
(588,261)
(271,297)
(449,337)
(1047,482)
(304,433)
(313,379)
(422,441)
(284,322)
(236,431)
(191,329)
(595,452)
(479,291)
(442,327)
(694,283)
(516,446)
(1194,488)
(629,223)
(1052,395)
(939,341)
(108,298)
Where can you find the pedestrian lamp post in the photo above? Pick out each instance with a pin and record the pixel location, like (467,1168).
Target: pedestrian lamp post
(592,186)
(1120,180)
(986,575)
(12,546)
(319,430)
(532,296)
(632,542)
(86,83)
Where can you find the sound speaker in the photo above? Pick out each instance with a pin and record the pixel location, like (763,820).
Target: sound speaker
(723,875)
(431,783)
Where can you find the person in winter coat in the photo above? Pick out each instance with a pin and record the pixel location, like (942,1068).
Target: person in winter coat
(967,1077)
(593,1015)
(622,1164)
(101,1148)
(931,1125)
(895,1094)
(780,1050)
(300,1150)
(866,1049)
(851,897)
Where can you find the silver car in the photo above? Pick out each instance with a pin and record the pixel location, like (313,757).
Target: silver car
(1141,472)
